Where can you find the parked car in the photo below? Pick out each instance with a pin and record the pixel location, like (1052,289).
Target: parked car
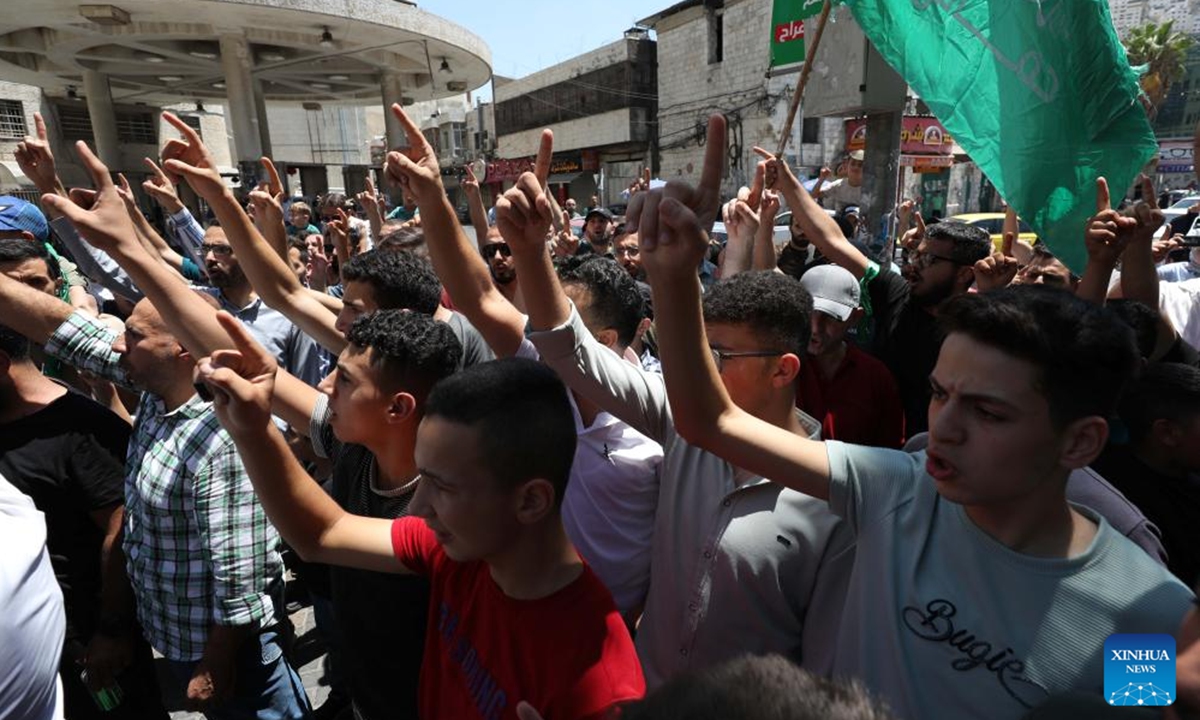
(1180,207)
(993,223)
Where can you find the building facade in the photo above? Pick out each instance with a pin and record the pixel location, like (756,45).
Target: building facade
(601,106)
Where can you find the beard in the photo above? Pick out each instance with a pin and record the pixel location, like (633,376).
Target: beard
(935,294)
(503,277)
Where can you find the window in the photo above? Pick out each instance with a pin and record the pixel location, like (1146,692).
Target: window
(75,123)
(810,131)
(193,121)
(716,35)
(136,128)
(12,119)
(459,139)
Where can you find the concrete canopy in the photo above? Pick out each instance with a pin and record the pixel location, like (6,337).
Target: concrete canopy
(162,51)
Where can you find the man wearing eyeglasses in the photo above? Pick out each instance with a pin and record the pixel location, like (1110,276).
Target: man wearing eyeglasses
(294,350)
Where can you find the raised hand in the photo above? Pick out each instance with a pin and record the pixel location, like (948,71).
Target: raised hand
(998,270)
(703,200)
(741,220)
(36,160)
(369,197)
(161,189)
(565,242)
(469,183)
(414,168)
(190,159)
(267,200)
(769,206)
(680,241)
(339,235)
(1108,232)
(1163,246)
(523,214)
(914,235)
(1147,214)
(242,380)
(100,215)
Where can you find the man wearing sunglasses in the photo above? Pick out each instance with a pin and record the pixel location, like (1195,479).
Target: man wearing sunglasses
(295,351)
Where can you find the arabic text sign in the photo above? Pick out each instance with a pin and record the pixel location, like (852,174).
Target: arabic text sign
(787,29)
(918,136)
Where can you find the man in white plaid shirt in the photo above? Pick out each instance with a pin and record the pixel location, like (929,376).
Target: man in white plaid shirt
(202,557)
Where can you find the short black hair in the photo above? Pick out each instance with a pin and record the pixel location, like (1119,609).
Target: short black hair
(523,417)
(760,687)
(1141,318)
(774,306)
(13,343)
(399,280)
(403,239)
(1085,355)
(1165,391)
(971,244)
(615,300)
(413,351)
(297,243)
(15,249)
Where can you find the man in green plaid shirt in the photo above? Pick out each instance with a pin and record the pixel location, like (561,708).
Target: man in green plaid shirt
(202,557)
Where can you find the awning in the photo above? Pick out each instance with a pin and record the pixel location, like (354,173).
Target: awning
(11,177)
(562,178)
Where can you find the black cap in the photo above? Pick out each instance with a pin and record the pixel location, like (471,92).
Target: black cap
(598,211)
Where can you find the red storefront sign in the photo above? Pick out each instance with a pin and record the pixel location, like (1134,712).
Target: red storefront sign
(918,136)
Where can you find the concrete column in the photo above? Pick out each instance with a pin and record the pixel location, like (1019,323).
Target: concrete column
(260,111)
(236,64)
(392,89)
(103,117)
(880,163)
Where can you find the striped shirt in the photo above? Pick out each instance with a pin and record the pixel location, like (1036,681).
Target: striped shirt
(198,545)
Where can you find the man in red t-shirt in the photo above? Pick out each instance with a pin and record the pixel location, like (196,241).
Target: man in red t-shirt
(514,613)
(852,393)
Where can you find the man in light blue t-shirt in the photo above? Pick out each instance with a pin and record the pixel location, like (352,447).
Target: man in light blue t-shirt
(976,589)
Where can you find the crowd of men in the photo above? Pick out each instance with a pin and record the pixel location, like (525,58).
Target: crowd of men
(632,473)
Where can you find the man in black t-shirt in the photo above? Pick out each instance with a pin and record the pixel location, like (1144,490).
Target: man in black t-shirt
(67,453)
(1159,468)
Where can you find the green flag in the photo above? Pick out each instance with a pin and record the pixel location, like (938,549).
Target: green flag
(1039,93)
(787,29)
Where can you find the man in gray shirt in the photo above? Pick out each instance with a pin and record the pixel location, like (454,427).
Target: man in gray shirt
(735,557)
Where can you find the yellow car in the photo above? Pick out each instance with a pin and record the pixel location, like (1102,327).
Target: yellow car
(993,223)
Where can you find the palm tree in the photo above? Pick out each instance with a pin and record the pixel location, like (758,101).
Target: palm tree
(1162,51)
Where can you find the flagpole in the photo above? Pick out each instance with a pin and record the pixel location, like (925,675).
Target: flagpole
(808,62)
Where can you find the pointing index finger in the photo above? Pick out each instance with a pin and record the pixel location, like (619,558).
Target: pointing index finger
(416,139)
(184,129)
(1006,246)
(274,184)
(1148,195)
(40,124)
(541,168)
(714,155)
(97,169)
(1103,200)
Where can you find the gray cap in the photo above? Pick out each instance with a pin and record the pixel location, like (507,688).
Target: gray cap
(834,290)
